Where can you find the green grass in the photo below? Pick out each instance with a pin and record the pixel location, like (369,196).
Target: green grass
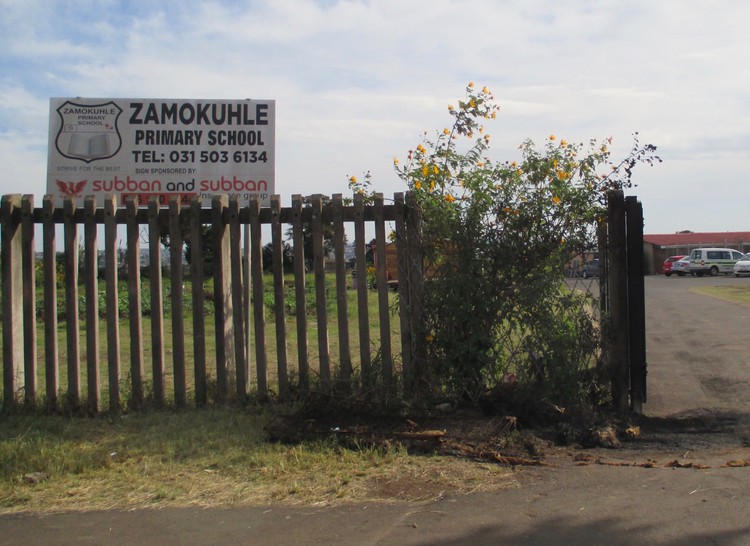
(736,294)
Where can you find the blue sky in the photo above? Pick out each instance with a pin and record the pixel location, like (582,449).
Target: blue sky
(356,83)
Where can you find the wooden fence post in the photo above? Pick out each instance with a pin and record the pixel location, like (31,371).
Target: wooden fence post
(238,319)
(259,318)
(157,302)
(415,269)
(320,287)
(91,271)
(51,357)
(360,269)
(402,250)
(618,300)
(13,357)
(225,363)
(29,300)
(71,303)
(278,296)
(178,315)
(199,323)
(135,319)
(112,301)
(299,292)
(383,304)
(345,358)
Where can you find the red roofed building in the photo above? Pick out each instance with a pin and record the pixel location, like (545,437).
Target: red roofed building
(657,248)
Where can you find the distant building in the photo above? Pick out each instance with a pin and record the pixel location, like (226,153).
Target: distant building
(657,248)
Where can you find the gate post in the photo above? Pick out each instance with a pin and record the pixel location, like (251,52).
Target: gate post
(618,300)
(636,304)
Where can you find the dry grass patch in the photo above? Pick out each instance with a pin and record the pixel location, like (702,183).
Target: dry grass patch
(209,458)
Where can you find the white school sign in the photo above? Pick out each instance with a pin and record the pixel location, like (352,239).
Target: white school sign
(161,148)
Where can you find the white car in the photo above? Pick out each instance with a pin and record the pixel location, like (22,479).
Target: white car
(681,267)
(742,266)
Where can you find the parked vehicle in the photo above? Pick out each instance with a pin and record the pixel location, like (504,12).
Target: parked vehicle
(712,261)
(666,267)
(742,267)
(681,267)
(590,269)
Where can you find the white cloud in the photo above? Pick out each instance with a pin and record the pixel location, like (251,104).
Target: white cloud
(356,82)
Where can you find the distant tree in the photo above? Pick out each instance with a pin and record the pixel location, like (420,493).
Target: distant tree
(287,253)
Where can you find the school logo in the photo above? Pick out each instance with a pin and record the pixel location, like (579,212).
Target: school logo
(88,132)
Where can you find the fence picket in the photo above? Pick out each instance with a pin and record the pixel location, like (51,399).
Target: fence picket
(382,279)
(321,305)
(199,323)
(49,265)
(300,277)
(29,299)
(279,296)
(112,302)
(360,269)
(345,359)
(91,273)
(134,303)
(178,317)
(71,303)
(157,303)
(238,319)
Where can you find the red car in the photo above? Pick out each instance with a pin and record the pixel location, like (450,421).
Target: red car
(667,265)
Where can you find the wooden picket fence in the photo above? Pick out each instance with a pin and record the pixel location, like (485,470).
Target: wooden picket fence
(238,300)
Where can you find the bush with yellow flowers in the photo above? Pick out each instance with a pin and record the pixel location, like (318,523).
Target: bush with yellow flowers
(498,237)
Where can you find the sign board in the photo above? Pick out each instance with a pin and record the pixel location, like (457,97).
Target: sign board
(161,148)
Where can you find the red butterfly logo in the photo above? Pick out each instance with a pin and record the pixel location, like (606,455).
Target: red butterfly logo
(72,189)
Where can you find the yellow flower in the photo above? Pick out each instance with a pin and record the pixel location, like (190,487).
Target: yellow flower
(432,186)
(418,185)
(514,164)
(429,338)
(604,148)
(421,149)
(471,84)
(472,103)
(353,179)
(435,169)
(556,200)
(450,108)
(563,143)
(484,89)
(446,131)
(424,170)
(552,137)
(494,115)
(450,198)
(395,161)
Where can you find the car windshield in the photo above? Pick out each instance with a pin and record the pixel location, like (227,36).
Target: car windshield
(745,258)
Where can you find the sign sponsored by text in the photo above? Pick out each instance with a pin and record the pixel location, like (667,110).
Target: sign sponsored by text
(161,148)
